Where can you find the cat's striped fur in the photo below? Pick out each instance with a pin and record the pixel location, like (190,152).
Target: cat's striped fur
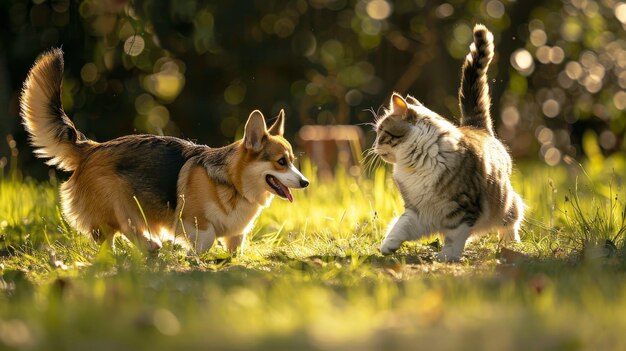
(454,180)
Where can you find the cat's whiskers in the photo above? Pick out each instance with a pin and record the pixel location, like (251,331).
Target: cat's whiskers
(377,116)
(371,160)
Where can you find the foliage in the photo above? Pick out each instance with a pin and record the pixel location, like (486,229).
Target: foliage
(316,281)
(196,68)
(569,79)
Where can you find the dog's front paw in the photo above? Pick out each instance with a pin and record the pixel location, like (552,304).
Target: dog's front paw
(153,246)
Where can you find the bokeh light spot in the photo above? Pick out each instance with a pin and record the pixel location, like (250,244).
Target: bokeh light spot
(551,108)
(463,34)
(543,54)
(158,117)
(165,85)
(619,99)
(556,55)
(588,58)
(229,126)
(564,81)
(510,116)
(597,72)
(284,27)
(573,70)
(371,27)
(620,12)
(545,135)
(89,73)
(378,9)
(538,37)
(444,10)
(235,93)
(592,84)
(522,61)
(571,29)
(495,9)
(354,97)
(134,45)
(332,52)
(552,156)
(607,139)
(622,80)
(143,103)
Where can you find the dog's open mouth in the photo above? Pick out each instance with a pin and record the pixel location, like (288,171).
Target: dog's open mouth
(279,188)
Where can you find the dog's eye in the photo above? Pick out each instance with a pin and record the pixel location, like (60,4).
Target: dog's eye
(282,161)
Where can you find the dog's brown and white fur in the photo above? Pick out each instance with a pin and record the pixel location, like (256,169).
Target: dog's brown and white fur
(182,187)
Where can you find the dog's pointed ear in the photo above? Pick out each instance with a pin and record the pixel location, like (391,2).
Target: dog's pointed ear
(278,128)
(255,132)
(397,105)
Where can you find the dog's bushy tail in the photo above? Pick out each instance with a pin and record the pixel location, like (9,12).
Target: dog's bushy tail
(51,131)
(474,98)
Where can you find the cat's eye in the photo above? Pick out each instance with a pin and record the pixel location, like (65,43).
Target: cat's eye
(282,161)
(392,135)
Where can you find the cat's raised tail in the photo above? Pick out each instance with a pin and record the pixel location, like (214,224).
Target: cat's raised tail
(474,98)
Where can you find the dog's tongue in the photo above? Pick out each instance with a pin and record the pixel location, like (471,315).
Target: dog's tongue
(285,191)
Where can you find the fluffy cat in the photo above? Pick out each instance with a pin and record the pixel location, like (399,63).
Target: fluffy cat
(454,180)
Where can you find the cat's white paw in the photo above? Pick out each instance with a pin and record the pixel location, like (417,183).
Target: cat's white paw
(388,247)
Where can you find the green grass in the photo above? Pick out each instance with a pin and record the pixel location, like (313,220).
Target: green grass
(311,276)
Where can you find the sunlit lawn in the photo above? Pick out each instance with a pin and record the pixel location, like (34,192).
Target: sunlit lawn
(311,276)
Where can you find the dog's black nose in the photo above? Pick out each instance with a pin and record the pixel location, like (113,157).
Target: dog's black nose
(304,183)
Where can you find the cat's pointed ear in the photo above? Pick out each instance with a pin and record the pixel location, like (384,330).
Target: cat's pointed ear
(254,132)
(278,128)
(413,101)
(397,105)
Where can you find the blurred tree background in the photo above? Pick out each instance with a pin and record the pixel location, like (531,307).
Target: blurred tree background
(197,68)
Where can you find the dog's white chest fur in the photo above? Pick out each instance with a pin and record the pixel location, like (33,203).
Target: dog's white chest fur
(211,210)
(238,221)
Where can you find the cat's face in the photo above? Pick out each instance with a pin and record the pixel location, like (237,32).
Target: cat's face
(394,127)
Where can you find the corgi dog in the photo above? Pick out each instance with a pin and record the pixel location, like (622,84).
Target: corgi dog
(145,185)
